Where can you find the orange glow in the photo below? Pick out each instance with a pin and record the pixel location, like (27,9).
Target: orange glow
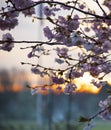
(84,84)
(87,88)
(49,88)
(17,88)
(1,89)
(14,88)
(57,89)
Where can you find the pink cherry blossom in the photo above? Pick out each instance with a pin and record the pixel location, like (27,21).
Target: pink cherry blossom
(22,4)
(48,33)
(106,107)
(70,88)
(8,43)
(107,3)
(62,52)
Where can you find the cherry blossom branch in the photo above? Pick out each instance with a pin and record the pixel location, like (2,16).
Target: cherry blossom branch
(84,119)
(100,112)
(59,3)
(80,18)
(37,65)
(39,42)
(73,7)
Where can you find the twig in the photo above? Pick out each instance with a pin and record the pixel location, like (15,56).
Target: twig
(39,42)
(109,107)
(101,8)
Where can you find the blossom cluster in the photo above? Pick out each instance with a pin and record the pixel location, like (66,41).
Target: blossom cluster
(94,59)
(8,43)
(9,20)
(9,17)
(22,4)
(64,31)
(67,30)
(106,108)
(81,39)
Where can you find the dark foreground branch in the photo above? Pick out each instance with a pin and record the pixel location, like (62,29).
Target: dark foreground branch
(37,42)
(59,3)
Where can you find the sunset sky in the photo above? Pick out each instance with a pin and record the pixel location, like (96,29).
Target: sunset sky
(30,31)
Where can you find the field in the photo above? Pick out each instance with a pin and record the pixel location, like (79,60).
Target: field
(31,125)
(104,125)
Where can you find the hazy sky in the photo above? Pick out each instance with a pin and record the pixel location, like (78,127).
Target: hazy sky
(26,30)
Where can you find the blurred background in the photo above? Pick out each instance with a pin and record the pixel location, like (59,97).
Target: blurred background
(19,110)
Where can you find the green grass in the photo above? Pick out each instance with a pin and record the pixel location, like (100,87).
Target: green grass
(18,125)
(31,125)
(103,125)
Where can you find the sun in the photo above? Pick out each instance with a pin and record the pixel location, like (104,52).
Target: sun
(84,84)
(87,78)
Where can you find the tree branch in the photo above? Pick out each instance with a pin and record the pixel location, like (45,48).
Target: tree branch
(59,3)
(38,42)
(109,107)
(101,8)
